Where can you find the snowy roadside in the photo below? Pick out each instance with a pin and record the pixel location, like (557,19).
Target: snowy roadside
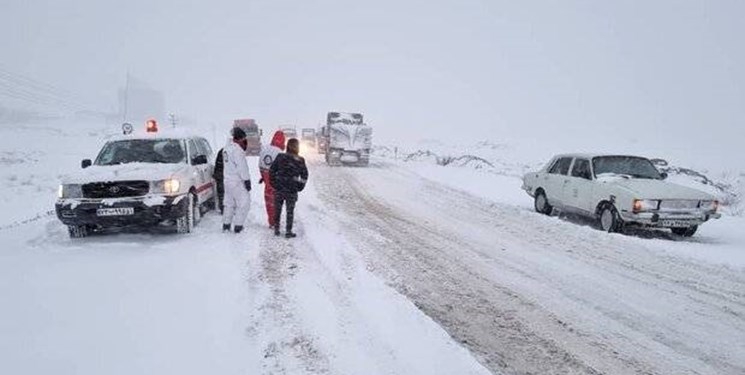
(206,302)
(720,242)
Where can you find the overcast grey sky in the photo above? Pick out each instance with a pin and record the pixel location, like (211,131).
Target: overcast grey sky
(660,71)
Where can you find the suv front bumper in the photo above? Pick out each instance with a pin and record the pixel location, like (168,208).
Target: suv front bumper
(668,219)
(148,211)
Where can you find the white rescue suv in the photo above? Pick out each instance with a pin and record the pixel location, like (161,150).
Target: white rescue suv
(618,191)
(149,180)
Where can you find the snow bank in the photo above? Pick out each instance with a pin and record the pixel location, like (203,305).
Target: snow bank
(514,160)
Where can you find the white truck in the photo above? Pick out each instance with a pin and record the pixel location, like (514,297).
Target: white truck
(347,139)
(618,191)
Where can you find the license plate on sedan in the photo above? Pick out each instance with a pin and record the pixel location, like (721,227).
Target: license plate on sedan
(118,211)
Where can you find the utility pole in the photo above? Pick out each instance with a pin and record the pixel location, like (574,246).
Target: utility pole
(126,98)
(172,118)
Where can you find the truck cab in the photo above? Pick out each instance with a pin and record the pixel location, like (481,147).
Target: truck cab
(253,135)
(348,139)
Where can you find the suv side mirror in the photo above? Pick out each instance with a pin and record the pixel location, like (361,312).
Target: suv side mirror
(86,163)
(199,160)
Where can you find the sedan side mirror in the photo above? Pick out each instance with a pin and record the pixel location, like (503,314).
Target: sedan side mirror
(199,160)
(86,163)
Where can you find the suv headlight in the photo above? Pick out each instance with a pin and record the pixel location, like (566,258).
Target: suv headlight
(641,205)
(712,206)
(70,191)
(169,186)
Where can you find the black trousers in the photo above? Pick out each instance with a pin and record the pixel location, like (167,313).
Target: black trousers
(220,194)
(279,199)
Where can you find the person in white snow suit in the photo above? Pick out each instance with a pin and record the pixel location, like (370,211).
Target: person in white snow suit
(237,182)
(266,158)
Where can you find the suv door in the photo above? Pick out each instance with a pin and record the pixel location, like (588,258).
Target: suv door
(200,172)
(556,178)
(579,190)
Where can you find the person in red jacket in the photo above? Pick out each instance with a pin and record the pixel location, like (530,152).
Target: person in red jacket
(266,158)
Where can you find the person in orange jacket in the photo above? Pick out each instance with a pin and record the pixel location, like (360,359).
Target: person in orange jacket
(266,158)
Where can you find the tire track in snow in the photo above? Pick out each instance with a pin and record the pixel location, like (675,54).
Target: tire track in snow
(289,348)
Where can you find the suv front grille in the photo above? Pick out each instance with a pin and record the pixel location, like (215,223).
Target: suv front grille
(116,189)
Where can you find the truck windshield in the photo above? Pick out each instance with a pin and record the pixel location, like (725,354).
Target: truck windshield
(169,151)
(631,166)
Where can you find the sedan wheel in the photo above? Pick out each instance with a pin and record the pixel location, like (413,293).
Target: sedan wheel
(609,220)
(541,204)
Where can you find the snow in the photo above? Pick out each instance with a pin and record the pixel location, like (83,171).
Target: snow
(207,302)
(126,172)
(405,267)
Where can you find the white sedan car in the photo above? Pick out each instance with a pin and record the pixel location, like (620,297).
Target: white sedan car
(618,191)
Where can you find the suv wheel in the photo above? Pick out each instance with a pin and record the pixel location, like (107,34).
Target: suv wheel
(685,232)
(541,203)
(77,231)
(609,219)
(185,223)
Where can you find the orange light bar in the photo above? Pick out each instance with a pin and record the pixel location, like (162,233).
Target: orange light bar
(151,126)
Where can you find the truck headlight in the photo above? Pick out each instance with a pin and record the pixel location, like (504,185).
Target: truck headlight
(641,205)
(711,206)
(70,191)
(169,186)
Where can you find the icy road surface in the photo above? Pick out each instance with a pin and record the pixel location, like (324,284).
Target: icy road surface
(398,269)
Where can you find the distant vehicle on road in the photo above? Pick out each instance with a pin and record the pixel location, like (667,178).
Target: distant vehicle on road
(308,137)
(148,180)
(290,131)
(253,135)
(348,140)
(618,191)
(322,140)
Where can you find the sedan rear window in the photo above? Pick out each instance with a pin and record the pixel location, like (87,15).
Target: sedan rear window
(561,166)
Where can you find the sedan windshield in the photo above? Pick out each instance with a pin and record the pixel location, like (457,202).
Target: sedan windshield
(168,151)
(631,166)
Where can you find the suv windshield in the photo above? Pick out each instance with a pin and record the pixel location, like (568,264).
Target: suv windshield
(142,151)
(632,166)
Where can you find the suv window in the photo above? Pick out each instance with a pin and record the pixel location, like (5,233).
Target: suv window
(193,150)
(582,169)
(203,147)
(561,166)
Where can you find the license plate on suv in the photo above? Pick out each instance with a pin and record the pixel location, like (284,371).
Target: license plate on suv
(676,223)
(118,211)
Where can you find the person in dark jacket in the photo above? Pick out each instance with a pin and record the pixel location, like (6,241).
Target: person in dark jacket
(217,174)
(288,175)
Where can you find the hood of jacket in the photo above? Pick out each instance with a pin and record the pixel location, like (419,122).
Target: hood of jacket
(278,140)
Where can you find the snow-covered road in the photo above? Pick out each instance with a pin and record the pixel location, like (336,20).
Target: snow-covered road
(399,268)
(531,294)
